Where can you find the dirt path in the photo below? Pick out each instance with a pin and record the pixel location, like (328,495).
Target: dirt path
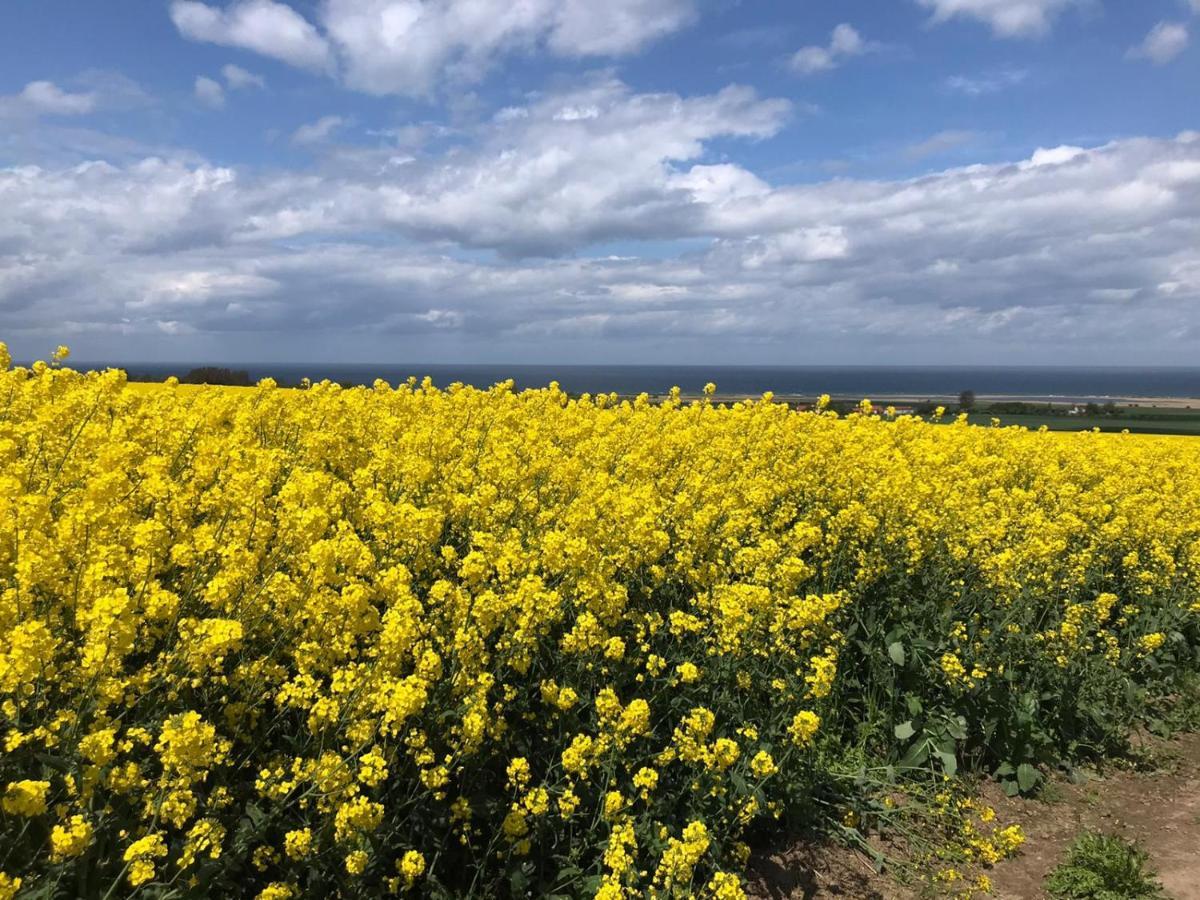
(1159,809)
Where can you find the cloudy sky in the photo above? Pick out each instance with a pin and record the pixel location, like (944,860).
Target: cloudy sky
(695,181)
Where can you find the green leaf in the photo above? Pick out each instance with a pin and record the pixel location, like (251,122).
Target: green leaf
(518,881)
(905,730)
(1027,777)
(949,762)
(896,652)
(917,754)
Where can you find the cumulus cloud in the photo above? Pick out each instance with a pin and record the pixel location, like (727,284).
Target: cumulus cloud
(1007,18)
(91,91)
(410,46)
(263,26)
(47,98)
(986,83)
(318,131)
(595,163)
(1165,41)
(405,46)
(209,92)
(844,43)
(238,78)
(939,143)
(1073,244)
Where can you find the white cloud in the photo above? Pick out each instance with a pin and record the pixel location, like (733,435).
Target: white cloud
(844,43)
(411,46)
(408,46)
(1007,18)
(238,78)
(47,98)
(209,92)
(318,131)
(988,82)
(618,165)
(264,26)
(89,92)
(586,28)
(1071,244)
(940,143)
(1165,41)
(801,245)
(196,288)
(1052,156)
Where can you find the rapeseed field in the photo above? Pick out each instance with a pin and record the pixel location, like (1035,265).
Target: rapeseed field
(462,642)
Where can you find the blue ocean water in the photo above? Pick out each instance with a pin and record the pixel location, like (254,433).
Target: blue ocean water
(840,381)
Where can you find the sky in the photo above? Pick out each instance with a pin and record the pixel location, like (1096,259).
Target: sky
(709,182)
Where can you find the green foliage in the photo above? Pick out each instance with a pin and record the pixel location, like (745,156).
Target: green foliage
(1014,711)
(1103,867)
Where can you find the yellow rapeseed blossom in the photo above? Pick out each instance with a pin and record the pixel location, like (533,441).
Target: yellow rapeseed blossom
(298,844)
(140,855)
(25,798)
(9,886)
(1149,643)
(253,638)
(410,867)
(763,764)
(70,839)
(804,727)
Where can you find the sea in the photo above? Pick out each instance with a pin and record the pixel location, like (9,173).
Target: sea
(877,382)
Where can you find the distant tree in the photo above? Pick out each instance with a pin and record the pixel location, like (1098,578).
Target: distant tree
(966,401)
(1091,409)
(1110,408)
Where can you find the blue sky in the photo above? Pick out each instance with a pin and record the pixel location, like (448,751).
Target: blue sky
(696,181)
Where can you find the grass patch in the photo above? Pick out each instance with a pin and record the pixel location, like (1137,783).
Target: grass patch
(1104,867)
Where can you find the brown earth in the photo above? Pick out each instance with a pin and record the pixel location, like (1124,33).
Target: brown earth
(1157,806)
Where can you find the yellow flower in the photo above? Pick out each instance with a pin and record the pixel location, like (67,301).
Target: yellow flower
(9,885)
(1009,839)
(356,862)
(140,856)
(576,758)
(1151,642)
(410,867)
(357,816)
(725,753)
(518,773)
(297,844)
(568,802)
(763,764)
(645,780)
(613,804)
(25,798)
(804,727)
(953,668)
(70,839)
(726,886)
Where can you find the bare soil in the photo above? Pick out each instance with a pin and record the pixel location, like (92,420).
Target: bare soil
(1156,805)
